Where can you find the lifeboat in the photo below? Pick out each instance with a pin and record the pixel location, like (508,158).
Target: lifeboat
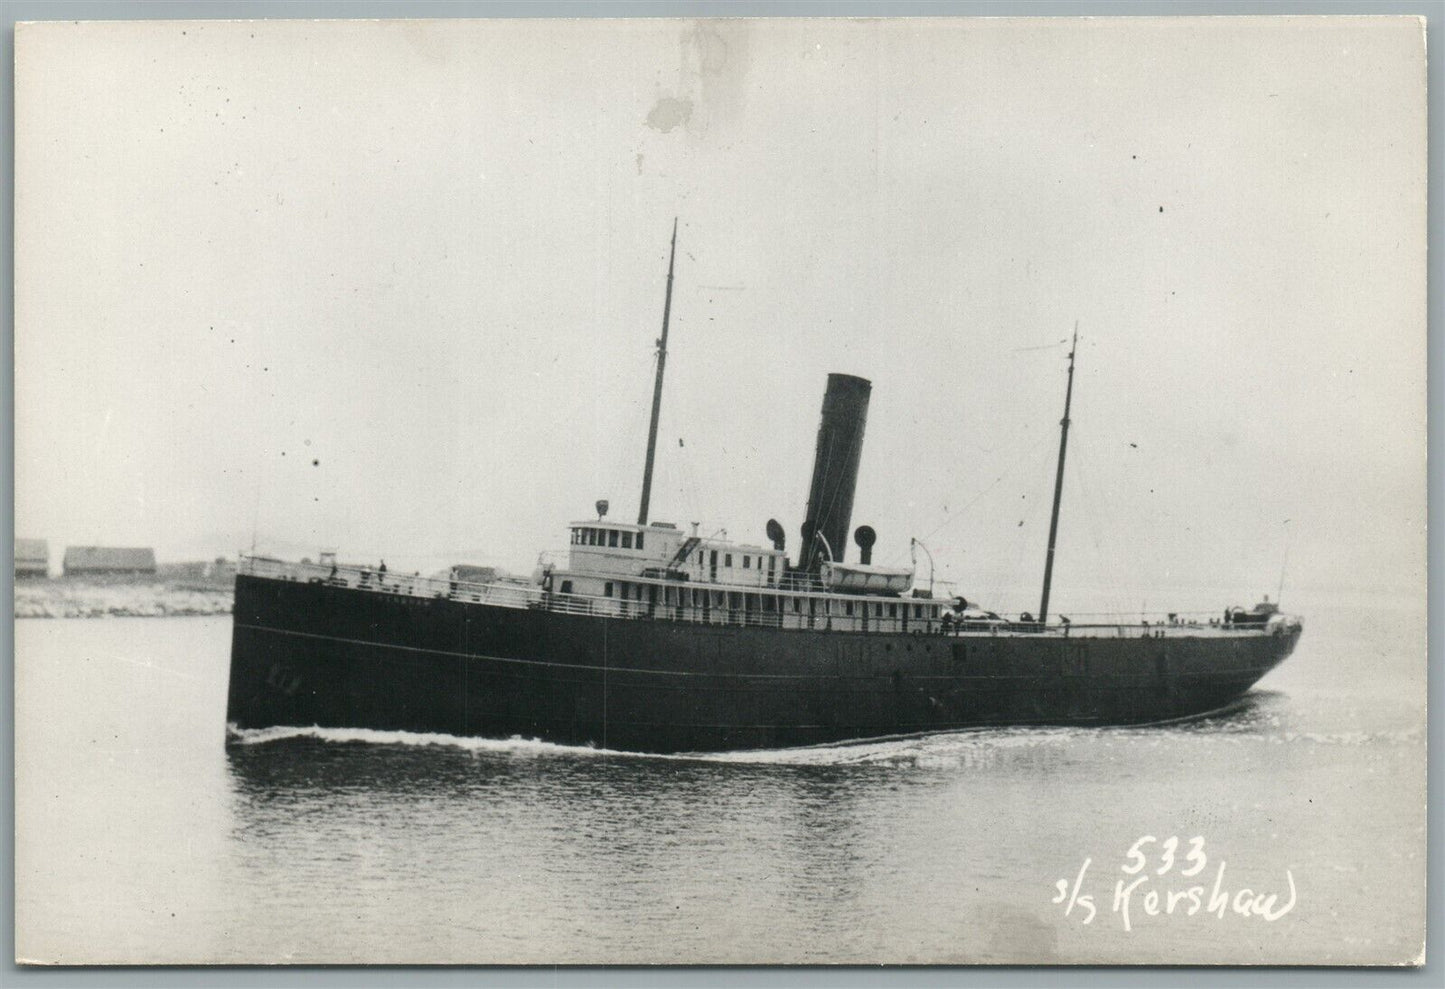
(864,578)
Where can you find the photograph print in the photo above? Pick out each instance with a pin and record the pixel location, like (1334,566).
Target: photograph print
(721,491)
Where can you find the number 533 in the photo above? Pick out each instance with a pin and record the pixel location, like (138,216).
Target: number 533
(1168,854)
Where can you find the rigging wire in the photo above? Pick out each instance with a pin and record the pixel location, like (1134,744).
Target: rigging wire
(1014,580)
(1279,595)
(678,460)
(682,481)
(622,476)
(1019,463)
(1088,508)
(1042,346)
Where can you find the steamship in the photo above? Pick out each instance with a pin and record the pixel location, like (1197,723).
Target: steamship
(655,639)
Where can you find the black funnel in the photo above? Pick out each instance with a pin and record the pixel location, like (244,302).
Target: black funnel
(835,470)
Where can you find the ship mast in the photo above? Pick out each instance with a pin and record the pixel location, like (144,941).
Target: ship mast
(1058,482)
(657,387)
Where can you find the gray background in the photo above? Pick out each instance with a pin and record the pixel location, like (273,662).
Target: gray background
(45,11)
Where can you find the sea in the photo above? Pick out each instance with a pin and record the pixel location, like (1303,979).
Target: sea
(1287,829)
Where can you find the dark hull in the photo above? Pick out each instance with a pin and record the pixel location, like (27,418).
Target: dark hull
(310,654)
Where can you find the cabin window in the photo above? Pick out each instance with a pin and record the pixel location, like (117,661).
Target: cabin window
(574,536)
(747,563)
(878,609)
(639,540)
(849,607)
(611,537)
(627,540)
(797,605)
(566,587)
(607,589)
(918,611)
(769,603)
(727,559)
(594,537)
(771,560)
(893,611)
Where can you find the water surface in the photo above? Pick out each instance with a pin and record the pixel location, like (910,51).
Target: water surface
(142,837)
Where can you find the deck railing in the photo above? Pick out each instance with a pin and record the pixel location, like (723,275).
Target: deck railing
(516,594)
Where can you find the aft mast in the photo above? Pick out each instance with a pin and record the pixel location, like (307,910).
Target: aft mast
(1058,482)
(657,387)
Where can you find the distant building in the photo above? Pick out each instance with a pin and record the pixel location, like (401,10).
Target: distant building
(32,558)
(195,570)
(103,561)
(198,573)
(469,574)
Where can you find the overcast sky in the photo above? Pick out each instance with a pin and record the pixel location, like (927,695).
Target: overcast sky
(393,288)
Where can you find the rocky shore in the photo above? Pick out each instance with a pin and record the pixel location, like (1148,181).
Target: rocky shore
(77,599)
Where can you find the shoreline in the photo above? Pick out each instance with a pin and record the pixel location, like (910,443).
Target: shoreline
(153,599)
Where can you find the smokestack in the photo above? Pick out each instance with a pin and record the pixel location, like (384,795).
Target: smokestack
(835,470)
